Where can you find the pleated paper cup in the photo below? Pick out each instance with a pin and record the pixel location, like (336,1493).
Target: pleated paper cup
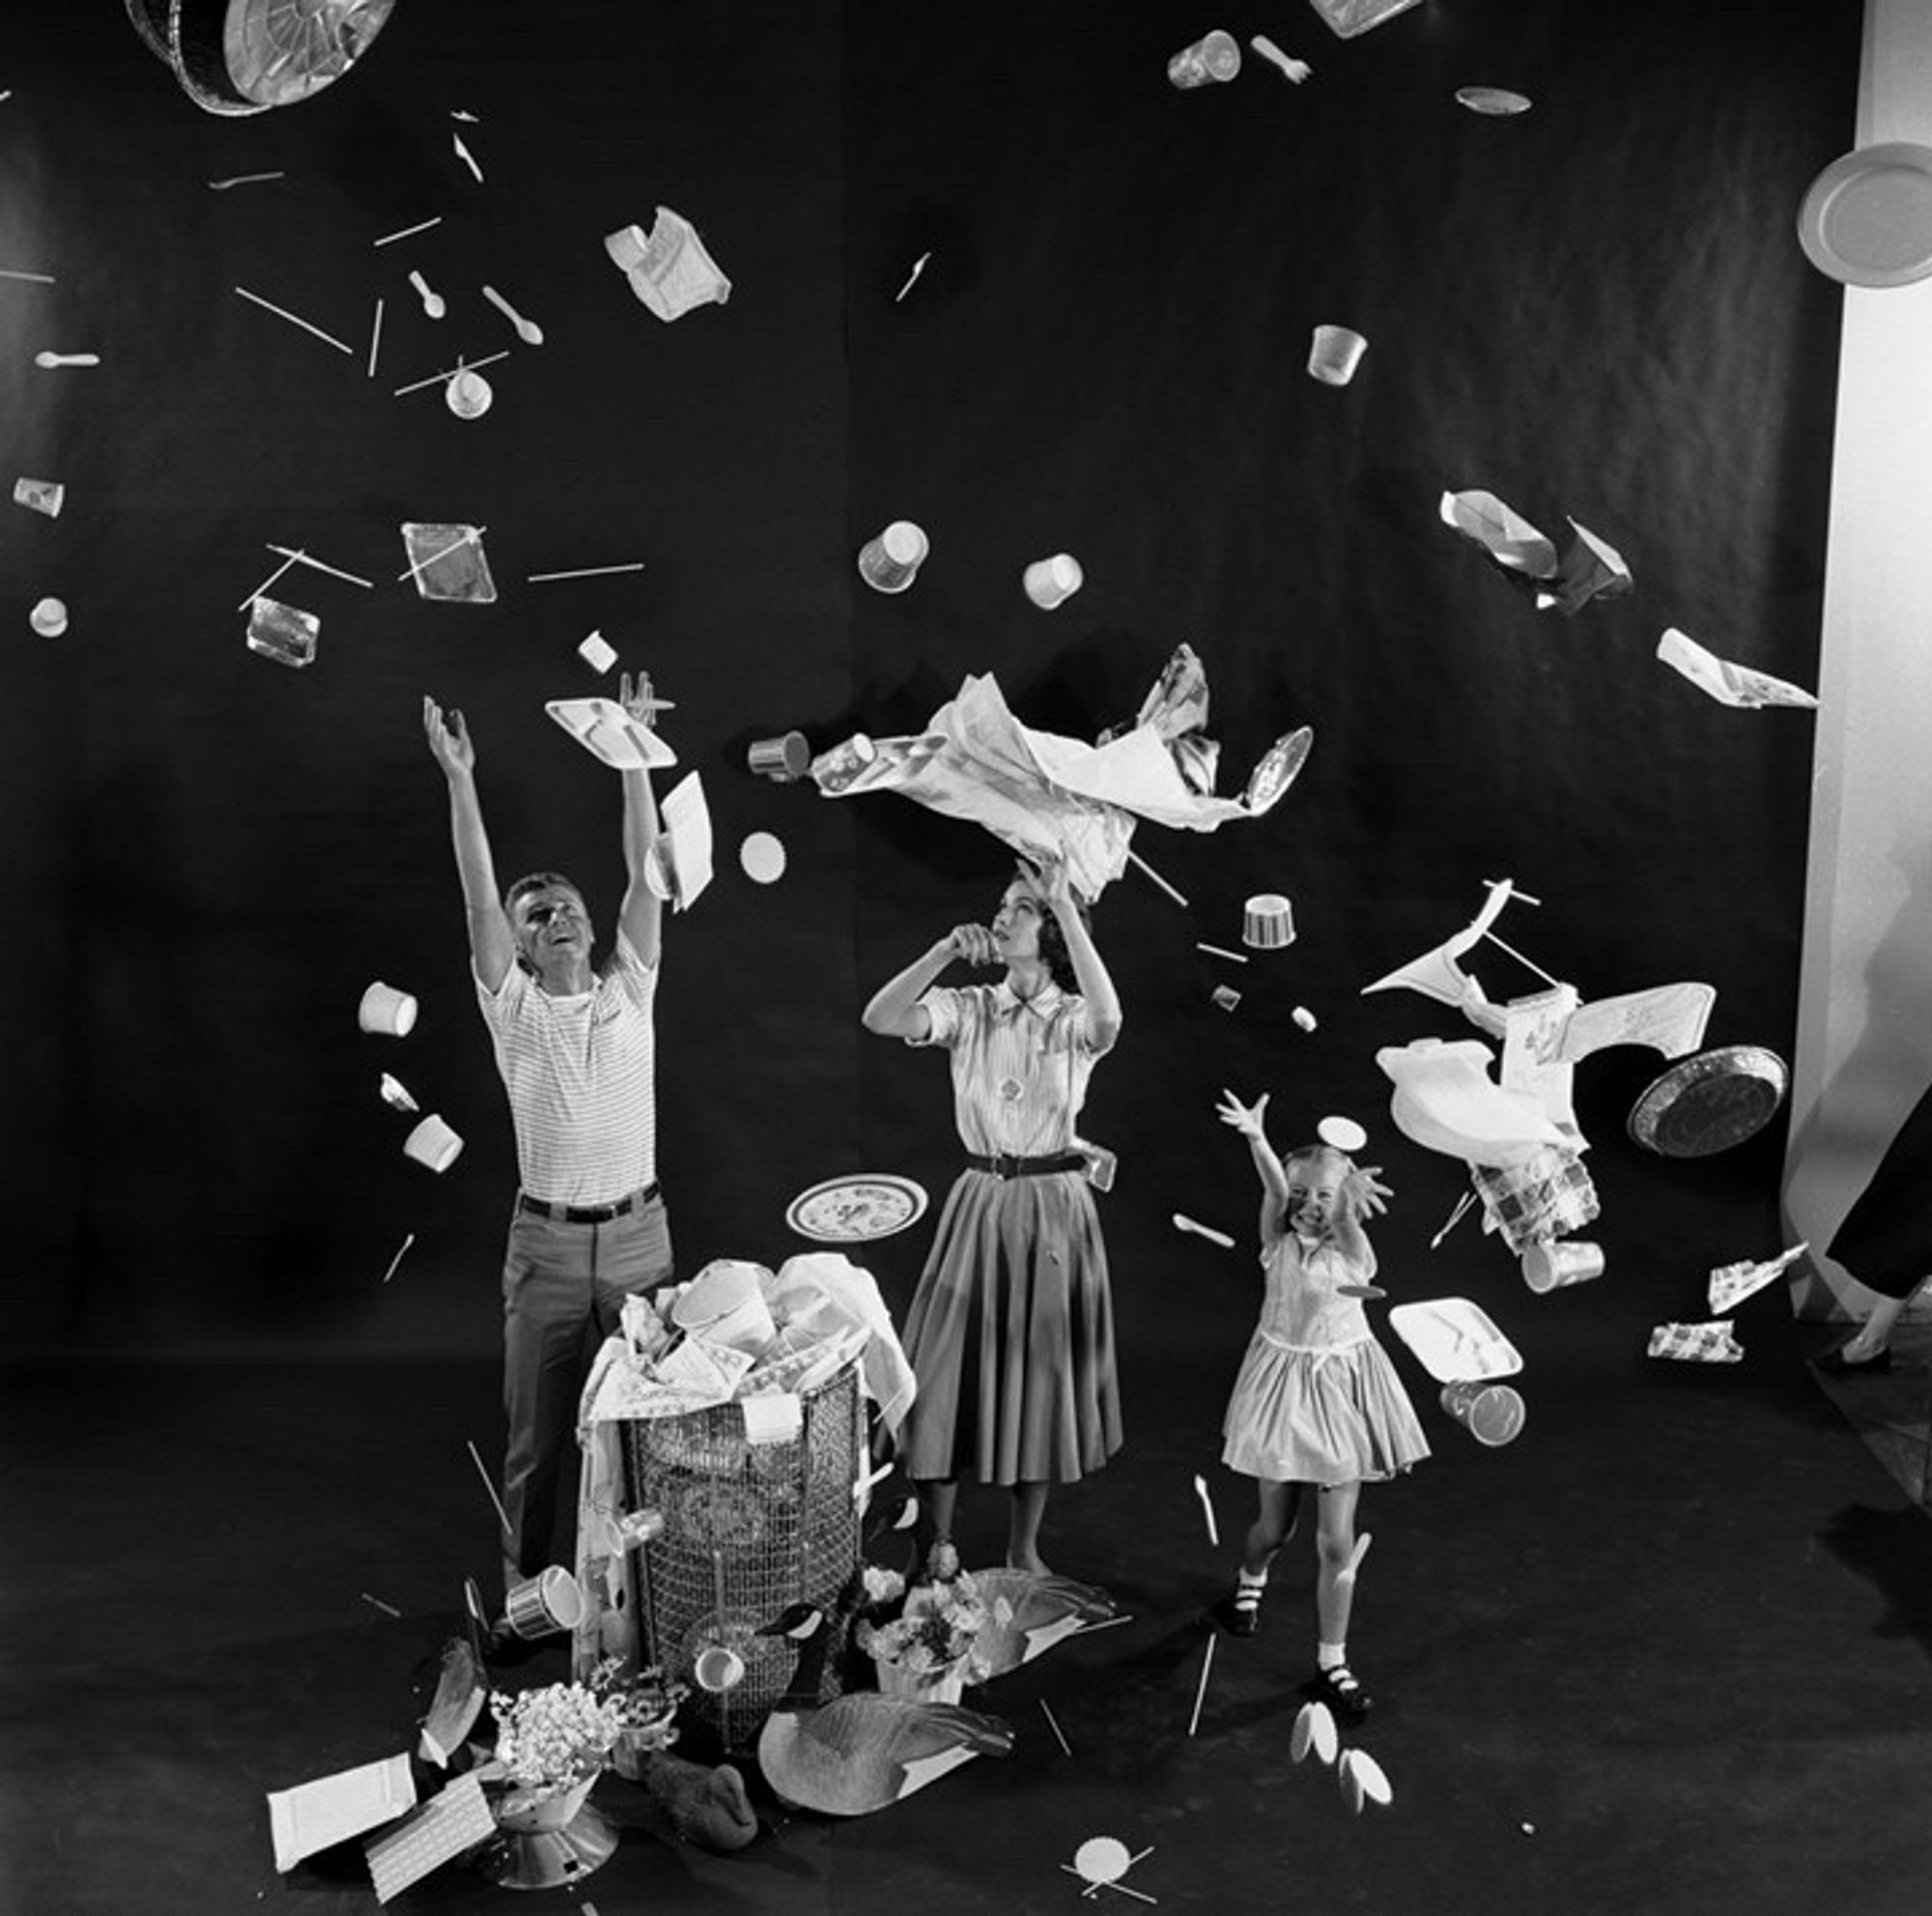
(1491,1413)
(890,561)
(543,1605)
(1267,922)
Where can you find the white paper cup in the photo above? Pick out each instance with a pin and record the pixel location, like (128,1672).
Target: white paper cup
(782,758)
(48,618)
(1334,353)
(834,771)
(1267,922)
(717,1670)
(1491,1413)
(890,561)
(542,1605)
(432,1143)
(1049,582)
(725,1305)
(388,1011)
(1548,1266)
(1215,57)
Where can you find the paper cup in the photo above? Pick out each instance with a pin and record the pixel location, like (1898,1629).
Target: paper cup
(889,562)
(1548,1266)
(1334,354)
(432,1143)
(468,395)
(1216,57)
(1049,582)
(1492,1413)
(1267,922)
(782,758)
(48,618)
(832,771)
(725,1305)
(542,1605)
(718,1669)
(386,1009)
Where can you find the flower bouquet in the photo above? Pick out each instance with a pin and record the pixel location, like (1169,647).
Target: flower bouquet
(552,1743)
(927,1652)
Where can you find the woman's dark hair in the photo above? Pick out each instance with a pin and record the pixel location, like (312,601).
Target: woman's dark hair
(1053,952)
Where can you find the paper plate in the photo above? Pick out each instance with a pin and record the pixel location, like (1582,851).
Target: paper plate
(1341,1134)
(1280,765)
(1867,219)
(604,728)
(1491,100)
(843,1210)
(1455,1341)
(1710,1103)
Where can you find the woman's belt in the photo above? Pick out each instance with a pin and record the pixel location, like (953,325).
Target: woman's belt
(1004,1165)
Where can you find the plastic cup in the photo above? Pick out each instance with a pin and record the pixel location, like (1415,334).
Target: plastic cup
(1049,582)
(1334,353)
(626,248)
(1548,1266)
(432,1143)
(890,561)
(1491,1413)
(48,618)
(1217,56)
(387,1011)
(542,1605)
(782,758)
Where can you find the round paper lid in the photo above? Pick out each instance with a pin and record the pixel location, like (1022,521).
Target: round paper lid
(1343,1134)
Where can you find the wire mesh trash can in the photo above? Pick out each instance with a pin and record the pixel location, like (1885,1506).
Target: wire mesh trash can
(749,1529)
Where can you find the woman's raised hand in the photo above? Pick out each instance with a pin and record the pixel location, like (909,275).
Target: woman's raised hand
(1247,1119)
(1049,876)
(448,738)
(973,943)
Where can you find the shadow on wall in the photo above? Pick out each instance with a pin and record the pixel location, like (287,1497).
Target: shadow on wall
(1838,1145)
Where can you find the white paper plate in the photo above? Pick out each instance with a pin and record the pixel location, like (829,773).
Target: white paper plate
(1867,217)
(843,1210)
(605,730)
(1491,100)
(1455,1341)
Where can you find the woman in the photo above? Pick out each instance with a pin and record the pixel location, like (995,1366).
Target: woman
(1010,1332)
(1885,1243)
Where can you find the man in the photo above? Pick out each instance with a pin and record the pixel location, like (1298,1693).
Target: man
(575,1047)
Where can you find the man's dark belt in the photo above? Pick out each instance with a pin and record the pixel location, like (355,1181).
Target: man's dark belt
(587,1214)
(1002,1165)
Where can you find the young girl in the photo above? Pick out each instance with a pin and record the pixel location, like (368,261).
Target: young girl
(1011,1331)
(1316,1400)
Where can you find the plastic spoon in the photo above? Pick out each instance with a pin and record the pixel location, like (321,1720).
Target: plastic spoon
(433,303)
(67,358)
(527,331)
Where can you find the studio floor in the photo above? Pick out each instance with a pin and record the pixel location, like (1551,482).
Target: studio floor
(1668,1652)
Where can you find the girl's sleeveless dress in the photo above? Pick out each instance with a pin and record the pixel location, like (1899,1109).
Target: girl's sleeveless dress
(1318,1400)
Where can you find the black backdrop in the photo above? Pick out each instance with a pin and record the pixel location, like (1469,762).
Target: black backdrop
(1598,308)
